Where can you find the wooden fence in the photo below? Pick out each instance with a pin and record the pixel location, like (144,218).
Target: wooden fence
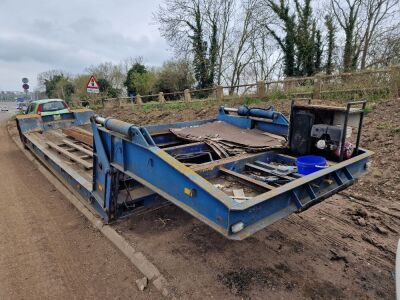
(385,82)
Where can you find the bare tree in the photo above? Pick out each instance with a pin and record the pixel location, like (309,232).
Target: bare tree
(127,63)
(175,19)
(241,52)
(113,73)
(385,48)
(221,13)
(233,26)
(363,21)
(266,57)
(347,15)
(47,76)
(377,13)
(184,24)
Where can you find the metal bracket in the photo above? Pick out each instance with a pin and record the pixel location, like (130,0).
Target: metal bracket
(102,173)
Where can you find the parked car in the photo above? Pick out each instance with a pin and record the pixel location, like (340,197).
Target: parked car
(4,108)
(48,107)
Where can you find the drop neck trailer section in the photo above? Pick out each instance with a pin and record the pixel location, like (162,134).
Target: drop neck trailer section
(128,168)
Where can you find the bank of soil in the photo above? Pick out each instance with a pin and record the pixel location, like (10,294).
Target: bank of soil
(343,248)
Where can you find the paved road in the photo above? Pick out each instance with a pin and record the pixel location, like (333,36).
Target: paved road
(6,115)
(47,249)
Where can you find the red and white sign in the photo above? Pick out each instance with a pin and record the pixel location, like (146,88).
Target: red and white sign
(92,86)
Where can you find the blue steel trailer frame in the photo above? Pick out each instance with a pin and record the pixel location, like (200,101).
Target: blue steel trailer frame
(124,148)
(128,154)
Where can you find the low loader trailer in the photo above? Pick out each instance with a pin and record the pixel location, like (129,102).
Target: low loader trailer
(237,173)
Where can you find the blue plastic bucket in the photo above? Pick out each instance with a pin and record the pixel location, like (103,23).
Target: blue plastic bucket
(310,163)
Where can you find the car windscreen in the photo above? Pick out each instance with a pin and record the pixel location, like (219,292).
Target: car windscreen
(53,106)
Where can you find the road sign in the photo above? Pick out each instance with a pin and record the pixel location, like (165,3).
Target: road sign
(25,80)
(92,86)
(25,86)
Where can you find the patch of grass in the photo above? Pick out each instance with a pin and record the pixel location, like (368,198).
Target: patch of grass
(387,126)
(276,95)
(395,130)
(250,101)
(199,104)
(371,96)
(384,126)
(95,106)
(177,105)
(339,96)
(370,107)
(272,97)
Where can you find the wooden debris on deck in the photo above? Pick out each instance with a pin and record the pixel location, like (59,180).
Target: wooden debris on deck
(80,135)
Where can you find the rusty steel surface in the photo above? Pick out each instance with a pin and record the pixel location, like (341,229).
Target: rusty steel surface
(232,139)
(217,163)
(247,179)
(30,116)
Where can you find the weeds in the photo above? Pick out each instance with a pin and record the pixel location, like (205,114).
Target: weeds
(387,126)
(383,126)
(250,101)
(277,95)
(369,109)
(199,104)
(395,130)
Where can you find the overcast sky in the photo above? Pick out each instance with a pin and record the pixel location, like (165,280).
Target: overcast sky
(40,35)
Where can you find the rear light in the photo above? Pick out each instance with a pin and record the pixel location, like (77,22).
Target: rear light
(237,227)
(66,105)
(39,109)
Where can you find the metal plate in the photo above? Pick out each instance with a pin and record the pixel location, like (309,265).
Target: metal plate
(229,137)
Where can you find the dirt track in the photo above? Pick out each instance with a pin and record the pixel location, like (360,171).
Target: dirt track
(343,248)
(47,249)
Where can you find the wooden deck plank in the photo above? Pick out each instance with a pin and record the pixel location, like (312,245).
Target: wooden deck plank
(80,135)
(85,164)
(78,147)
